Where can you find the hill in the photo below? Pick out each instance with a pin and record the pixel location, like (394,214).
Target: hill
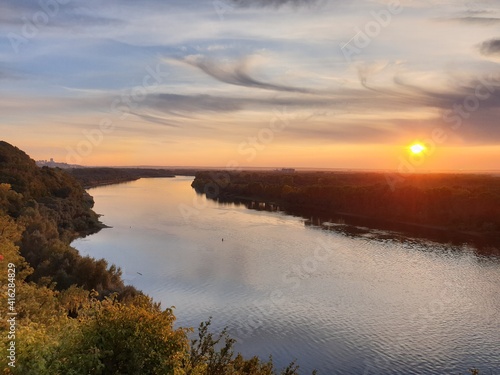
(53,209)
(69,314)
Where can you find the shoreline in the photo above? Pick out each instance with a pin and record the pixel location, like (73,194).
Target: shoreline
(415,210)
(441,234)
(94,177)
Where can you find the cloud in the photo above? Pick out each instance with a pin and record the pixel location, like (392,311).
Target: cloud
(237,74)
(8,72)
(157,119)
(81,18)
(276,3)
(6,75)
(70,16)
(174,103)
(191,106)
(490,47)
(487,21)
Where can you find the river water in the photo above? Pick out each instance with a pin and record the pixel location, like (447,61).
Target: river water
(337,303)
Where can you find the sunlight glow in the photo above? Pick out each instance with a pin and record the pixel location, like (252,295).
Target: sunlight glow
(417,148)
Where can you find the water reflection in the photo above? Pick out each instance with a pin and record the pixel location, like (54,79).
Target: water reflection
(353,225)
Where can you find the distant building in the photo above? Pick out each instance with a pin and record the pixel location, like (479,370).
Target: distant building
(54,164)
(287,170)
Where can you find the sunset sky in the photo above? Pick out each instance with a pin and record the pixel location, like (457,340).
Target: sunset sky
(277,83)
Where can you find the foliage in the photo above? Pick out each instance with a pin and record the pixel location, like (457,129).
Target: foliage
(110,337)
(91,177)
(214,355)
(116,338)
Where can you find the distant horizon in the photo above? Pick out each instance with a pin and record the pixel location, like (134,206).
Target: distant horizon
(297,169)
(276,168)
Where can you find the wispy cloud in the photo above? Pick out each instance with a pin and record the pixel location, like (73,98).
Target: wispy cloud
(237,73)
(17,16)
(276,3)
(487,21)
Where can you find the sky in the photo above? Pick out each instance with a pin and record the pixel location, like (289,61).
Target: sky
(238,83)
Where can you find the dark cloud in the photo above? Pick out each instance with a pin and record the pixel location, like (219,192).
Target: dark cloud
(473,103)
(410,94)
(157,120)
(490,47)
(81,17)
(276,3)
(426,97)
(487,21)
(19,6)
(475,100)
(190,106)
(237,74)
(176,104)
(7,74)
(68,16)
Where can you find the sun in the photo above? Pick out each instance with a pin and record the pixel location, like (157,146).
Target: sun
(417,148)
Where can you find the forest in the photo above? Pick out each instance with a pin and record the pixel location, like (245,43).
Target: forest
(92,177)
(70,314)
(463,204)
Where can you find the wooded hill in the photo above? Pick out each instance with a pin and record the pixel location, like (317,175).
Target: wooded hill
(73,315)
(52,209)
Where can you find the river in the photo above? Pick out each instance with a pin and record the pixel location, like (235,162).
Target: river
(338,303)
